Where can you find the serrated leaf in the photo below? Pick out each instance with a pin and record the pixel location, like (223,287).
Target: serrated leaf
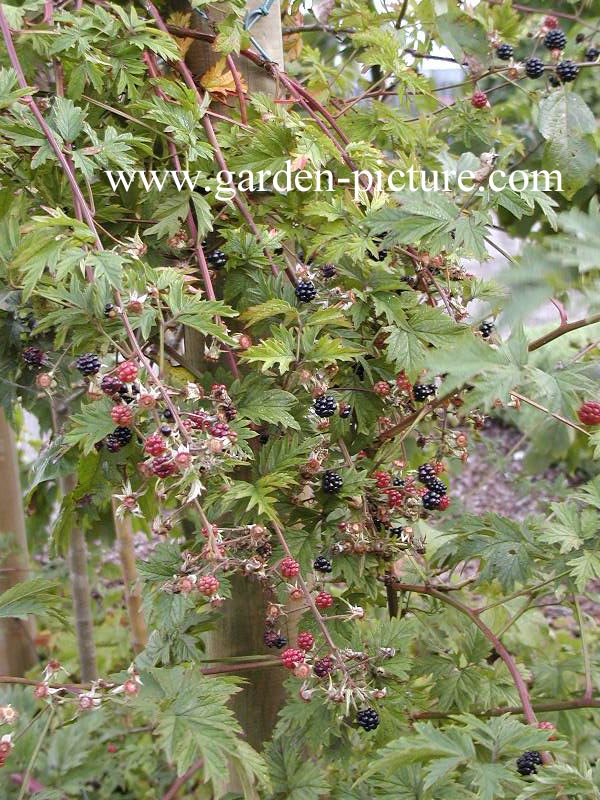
(91,425)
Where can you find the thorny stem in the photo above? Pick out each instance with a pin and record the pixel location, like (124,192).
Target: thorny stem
(172,792)
(561,330)
(540,407)
(192,227)
(518,679)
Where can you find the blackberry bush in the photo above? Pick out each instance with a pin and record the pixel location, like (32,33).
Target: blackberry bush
(216,387)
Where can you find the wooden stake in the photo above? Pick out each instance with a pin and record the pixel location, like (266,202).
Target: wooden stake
(17,649)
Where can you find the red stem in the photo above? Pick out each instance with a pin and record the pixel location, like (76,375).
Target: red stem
(191,223)
(239,89)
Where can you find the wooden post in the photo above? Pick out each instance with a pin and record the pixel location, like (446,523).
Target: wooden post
(17,649)
(133,597)
(81,595)
(241,623)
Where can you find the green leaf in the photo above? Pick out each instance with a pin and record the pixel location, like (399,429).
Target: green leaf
(568,125)
(192,722)
(269,404)
(37,596)
(91,425)
(278,350)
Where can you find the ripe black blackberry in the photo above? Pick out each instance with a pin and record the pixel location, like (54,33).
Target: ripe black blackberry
(567,71)
(230,412)
(399,482)
(396,530)
(112,443)
(306,291)
(332,482)
(88,364)
(121,435)
(431,500)
(554,81)
(534,67)
(217,259)
(345,411)
(322,564)
(165,430)
(437,486)
(33,357)
(274,639)
(504,52)
(527,763)
(167,414)
(325,406)
(592,53)
(555,39)
(368,719)
(111,385)
(426,473)
(485,329)
(328,271)
(421,391)
(265,549)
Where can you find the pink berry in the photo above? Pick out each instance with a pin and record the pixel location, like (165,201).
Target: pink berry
(291,657)
(323,600)
(208,585)
(479,99)
(289,568)
(305,640)
(550,22)
(220,430)
(444,503)
(589,413)
(127,371)
(155,445)
(121,415)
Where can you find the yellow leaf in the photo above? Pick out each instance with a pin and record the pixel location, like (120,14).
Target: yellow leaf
(218,80)
(181,20)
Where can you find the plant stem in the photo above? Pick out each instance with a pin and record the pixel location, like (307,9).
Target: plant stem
(25,785)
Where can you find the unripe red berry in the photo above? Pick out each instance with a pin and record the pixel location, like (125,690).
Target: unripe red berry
(289,568)
(127,371)
(550,22)
(589,413)
(305,640)
(323,600)
(155,445)
(245,341)
(291,657)
(444,503)
(382,479)
(208,585)
(479,99)
(121,415)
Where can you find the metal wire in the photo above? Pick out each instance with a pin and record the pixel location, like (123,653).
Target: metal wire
(252,18)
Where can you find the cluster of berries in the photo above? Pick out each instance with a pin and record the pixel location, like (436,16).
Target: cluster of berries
(528,763)
(436,497)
